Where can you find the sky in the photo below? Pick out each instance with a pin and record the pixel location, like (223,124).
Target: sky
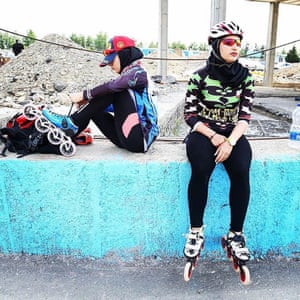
(188,20)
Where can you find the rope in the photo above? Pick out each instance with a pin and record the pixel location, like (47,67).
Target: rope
(150,58)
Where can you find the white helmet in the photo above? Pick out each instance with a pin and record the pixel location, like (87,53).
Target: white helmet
(223,29)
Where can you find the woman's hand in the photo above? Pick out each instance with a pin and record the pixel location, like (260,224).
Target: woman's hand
(223,147)
(76,97)
(223,151)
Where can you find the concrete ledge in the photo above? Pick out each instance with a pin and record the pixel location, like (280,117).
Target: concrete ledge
(108,202)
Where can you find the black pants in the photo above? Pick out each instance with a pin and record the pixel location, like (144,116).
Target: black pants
(122,127)
(200,152)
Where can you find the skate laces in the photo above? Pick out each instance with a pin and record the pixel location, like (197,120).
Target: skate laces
(193,244)
(49,111)
(54,114)
(62,121)
(238,244)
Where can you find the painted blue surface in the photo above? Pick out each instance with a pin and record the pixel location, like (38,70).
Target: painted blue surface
(129,209)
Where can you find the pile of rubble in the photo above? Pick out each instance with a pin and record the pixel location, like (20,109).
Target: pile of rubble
(288,74)
(178,67)
(47,72)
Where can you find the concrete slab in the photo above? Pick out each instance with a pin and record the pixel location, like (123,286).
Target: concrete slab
(164,150)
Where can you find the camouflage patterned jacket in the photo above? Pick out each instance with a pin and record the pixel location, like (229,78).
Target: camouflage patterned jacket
(208,101)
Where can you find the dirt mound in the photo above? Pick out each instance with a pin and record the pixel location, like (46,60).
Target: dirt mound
(45,72)
(288,74)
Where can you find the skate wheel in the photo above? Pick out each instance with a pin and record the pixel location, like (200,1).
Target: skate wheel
(30,112)
(67,148)
(194,263)
(224,244)
(245,275)
(42,125)
(55,136)
(188,269)
(226,249)
(235,265)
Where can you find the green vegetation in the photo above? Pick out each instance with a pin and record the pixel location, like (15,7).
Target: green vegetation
(99,42)
(292,56)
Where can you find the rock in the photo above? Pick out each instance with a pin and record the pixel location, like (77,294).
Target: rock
(59,87)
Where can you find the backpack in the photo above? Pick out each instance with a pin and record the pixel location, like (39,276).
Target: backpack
(21,136)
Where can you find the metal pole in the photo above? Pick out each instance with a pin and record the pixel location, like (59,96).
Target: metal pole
(218,11)
(163,40)
(271,43)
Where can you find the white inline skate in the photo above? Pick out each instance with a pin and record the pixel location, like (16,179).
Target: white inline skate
(235,247)
(55,135)
(194,245)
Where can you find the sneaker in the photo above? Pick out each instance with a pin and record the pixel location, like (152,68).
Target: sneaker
(63,122)
(237,243)
(194,243)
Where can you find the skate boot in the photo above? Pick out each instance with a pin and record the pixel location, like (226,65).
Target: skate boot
(84,138)
(55,135)
(235,246)
(63,122)
(194,245)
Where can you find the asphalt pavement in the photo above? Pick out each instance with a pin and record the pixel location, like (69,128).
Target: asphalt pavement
(46,277)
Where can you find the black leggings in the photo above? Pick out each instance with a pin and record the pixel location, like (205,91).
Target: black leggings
(200,152)
(122,127)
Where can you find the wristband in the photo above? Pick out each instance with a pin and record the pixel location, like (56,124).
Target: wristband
(87,95)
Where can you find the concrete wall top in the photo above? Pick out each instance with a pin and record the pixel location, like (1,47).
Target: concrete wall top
(165,151)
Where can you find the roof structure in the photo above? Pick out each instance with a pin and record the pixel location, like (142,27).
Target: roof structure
(293,2)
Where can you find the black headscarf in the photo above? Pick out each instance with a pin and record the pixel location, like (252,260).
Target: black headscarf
(228,74)
(128,56)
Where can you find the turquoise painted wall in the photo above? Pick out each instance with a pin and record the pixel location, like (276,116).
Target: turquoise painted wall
(131,209)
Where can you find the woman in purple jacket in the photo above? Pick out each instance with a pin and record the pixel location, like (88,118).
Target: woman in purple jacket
(121,108)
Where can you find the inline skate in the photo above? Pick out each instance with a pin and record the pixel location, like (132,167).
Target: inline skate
(55,135)
(235,247)
(194,245)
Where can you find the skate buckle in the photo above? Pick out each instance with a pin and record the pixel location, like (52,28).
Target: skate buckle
(64,123)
